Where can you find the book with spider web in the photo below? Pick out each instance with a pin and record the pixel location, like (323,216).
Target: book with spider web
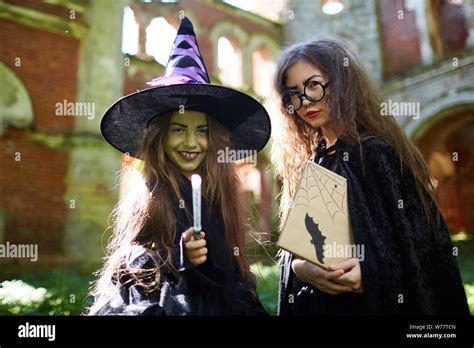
(318,227)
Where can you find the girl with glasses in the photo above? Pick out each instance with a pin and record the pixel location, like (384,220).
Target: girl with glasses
(331,114)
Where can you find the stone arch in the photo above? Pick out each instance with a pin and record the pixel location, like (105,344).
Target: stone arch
(240,36)
(445,140)
(437,110)
(15,102)
(255,42)
(152,31)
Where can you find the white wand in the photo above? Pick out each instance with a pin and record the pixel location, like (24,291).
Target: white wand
(196,184)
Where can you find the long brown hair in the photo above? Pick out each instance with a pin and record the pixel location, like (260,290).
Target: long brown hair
(354,103)
(145,215)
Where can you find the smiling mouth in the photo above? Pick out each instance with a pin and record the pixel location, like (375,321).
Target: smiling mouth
(188,156)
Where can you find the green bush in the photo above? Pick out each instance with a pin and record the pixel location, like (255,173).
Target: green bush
(54,293)
(18,297)
(465,259)
(470,296)
(64,292)
(268,278)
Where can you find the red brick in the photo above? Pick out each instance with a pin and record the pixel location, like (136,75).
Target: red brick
(49,65)
(400,38)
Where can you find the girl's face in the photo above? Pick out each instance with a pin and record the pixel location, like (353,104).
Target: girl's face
(303,74)
(187,141)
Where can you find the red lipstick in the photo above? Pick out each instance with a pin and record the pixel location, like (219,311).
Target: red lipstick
(312,113)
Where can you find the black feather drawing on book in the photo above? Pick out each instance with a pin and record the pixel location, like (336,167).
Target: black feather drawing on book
(317,237)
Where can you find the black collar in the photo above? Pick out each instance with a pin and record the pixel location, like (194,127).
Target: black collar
(321,150)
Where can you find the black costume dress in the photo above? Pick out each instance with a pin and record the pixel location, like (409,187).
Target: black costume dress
(408,266)
(215,287)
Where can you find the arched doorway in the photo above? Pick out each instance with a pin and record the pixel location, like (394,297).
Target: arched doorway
(447,147)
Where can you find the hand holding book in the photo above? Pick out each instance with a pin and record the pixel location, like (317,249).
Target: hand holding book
(339,278)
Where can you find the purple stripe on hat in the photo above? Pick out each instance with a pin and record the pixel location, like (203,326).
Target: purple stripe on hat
(170,80)
(188,71)
(190,53)
(189,38)
(193,52)
(193,72)
(172,62)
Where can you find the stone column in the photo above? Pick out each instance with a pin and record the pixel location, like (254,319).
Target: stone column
(247,67)
(469,15)
(143,21)
(92,162)
(419,6)
(101,64)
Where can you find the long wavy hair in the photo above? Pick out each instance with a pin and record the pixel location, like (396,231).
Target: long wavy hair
(145,216)
(354,103)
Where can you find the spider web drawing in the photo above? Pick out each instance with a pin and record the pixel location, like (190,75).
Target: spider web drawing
(320,183)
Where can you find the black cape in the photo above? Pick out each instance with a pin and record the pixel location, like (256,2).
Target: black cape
(215,287)
(408,266)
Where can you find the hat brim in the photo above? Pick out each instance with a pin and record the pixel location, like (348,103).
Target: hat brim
(125,123)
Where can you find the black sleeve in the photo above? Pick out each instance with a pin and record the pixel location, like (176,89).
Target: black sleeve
(409,267)
(124,295)
(247,295)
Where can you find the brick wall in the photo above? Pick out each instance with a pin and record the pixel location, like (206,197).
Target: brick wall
(42,6)
(453,27)
(401,40)
(32,191)
(209,16)
(205,17)
(49,64)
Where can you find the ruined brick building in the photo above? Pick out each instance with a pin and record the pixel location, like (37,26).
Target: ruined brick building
(58,178)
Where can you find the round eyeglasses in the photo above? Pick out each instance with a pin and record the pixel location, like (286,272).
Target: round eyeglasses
(314,91)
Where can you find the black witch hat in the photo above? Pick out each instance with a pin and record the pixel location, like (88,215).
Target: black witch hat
(186,83)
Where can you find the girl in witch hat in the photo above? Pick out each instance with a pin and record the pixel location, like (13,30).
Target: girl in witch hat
(177,127)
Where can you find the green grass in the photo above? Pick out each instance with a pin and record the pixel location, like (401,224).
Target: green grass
(470,296)
(465,258)
(268,278)
(63,292)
